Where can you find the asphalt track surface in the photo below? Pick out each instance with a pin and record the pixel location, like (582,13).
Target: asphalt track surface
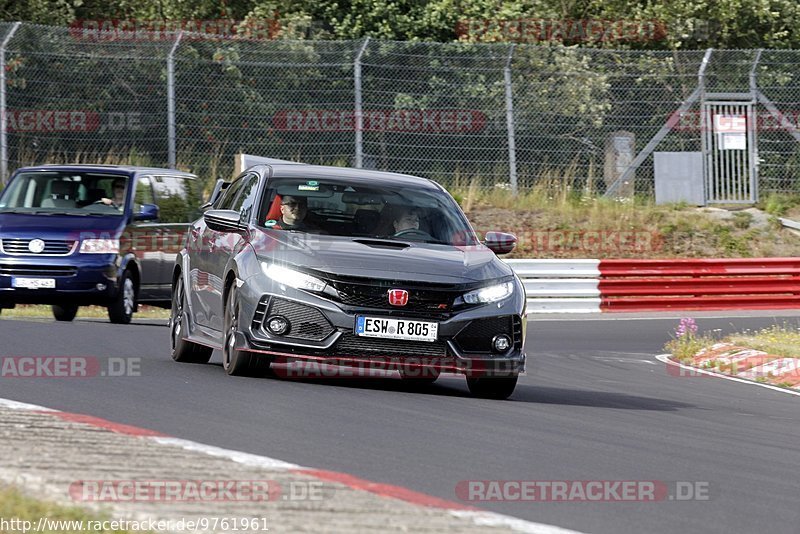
(595,405)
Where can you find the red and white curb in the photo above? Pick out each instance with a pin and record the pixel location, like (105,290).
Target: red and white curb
(666,358)
(454,509)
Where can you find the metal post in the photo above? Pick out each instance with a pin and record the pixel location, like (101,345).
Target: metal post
(3,114)
(706,137)
(752,132)
(359,112)
(512,148)
(171,136)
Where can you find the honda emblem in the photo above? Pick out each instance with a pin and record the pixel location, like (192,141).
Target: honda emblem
(398,297)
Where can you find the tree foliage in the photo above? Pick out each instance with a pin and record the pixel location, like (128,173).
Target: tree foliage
(685,24)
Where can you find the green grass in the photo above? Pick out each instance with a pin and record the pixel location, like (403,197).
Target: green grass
(91,312)
(780,340)
(777,340)
(664,231)
(15,505)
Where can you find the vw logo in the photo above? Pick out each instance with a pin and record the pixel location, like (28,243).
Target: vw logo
(398,297)
(36,246)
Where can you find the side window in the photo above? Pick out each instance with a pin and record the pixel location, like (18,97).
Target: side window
(227,199)
(144,192)
(247,198)
(175,199)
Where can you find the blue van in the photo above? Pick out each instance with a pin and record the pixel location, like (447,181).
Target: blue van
(75,235)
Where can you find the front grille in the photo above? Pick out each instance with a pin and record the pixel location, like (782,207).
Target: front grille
(350,345)
(52,247)
(431,299)
(307,322)
(477,335)
(36,270)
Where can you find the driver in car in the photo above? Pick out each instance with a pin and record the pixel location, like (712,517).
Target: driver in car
(408,219)
(119,195)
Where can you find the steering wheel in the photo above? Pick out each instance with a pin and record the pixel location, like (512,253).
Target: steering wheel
(413,232)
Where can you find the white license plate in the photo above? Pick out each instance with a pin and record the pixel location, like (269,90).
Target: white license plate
(387,328)
(34,283)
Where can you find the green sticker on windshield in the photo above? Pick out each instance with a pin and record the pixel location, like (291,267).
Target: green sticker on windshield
(270,222)
(312,182)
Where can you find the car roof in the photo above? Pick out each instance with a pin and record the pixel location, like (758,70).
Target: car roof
(360,176)
(126,169)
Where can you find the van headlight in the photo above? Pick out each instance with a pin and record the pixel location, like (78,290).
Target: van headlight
(489,293)
(292,278)
(100,246)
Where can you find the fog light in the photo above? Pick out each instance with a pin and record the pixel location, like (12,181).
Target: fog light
(501,343)
(277,325)
(100,287)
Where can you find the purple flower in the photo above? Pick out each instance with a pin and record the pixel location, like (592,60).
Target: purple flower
(687,326)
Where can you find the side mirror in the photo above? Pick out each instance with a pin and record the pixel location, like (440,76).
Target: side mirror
(500,242)
(148,212)
(224,221)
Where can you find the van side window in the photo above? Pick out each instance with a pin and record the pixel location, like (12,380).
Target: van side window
(177,198)
(144,192)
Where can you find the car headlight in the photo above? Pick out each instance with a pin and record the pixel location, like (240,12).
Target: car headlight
(489,293)
(292,278)
(100,246)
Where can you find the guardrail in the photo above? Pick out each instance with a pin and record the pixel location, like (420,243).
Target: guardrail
(560,286)
(589,285)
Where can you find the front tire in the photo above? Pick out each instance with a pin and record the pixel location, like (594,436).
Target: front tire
(237,362)
(182,350)
(492,387)
(120,311)
(65,312)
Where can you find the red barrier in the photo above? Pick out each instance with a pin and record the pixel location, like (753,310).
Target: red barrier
(703,284)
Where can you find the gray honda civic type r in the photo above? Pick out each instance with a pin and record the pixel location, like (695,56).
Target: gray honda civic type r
(296,265)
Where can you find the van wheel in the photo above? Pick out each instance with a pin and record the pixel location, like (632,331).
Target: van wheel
(182,350)
(120,311)
(67,312)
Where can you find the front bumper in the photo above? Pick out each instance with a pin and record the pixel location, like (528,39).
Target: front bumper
(323,332)
(79,280)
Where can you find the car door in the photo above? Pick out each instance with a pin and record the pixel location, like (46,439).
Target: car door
(227,245)
(204,277)
(144,242)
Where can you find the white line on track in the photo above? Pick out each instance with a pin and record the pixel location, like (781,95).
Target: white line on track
(665,359)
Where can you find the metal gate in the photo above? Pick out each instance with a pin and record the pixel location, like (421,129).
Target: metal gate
(729,149)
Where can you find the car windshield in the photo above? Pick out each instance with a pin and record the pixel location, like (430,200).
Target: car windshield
(69,193)
(376,211)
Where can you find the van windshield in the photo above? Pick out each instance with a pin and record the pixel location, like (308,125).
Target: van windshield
(69,193)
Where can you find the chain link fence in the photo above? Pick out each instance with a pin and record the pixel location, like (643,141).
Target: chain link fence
(465,114)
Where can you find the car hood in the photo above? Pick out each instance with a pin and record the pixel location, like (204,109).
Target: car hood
(58,226)
(375,258)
